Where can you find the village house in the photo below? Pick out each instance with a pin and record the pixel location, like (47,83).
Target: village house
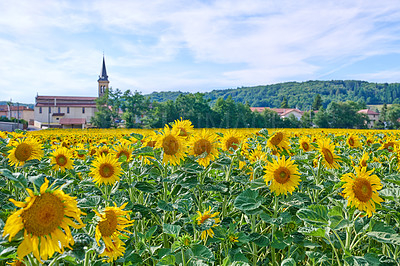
(373,116)
(68,111)
(18,112)
(282,112)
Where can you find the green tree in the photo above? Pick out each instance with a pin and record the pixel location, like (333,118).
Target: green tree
(135,107)
(271,119)
(317,104)
(322,119)
(104,116)
(284,103)
(306,121)
(393,115)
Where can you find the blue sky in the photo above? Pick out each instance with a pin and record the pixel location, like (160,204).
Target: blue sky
(56,47)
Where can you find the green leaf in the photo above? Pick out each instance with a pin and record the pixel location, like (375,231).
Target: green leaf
(288,262)
(312,231)
(356,261)
(202,252)
(167,260)
(385,237)
(248,200)
(172,230)
(165,206)
(146,187)
(150,232)
(136,136)
(315,214)
(259,240)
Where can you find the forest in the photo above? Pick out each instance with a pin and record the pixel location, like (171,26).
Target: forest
(301,94)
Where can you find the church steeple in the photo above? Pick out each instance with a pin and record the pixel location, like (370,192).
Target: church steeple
(103,79)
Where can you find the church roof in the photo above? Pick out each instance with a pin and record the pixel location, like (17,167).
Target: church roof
(103,75)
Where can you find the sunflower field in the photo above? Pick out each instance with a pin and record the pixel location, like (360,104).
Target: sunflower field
(180,196)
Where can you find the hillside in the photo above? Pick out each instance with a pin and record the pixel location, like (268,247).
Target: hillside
(301,94)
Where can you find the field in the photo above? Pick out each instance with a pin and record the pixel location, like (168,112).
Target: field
(184,196)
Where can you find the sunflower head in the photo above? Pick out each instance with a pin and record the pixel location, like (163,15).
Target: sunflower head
(207,220)
(106,169)
(23,150)
(61,159)
(45,218)
(204,145)
(361,189)
(305,144)
(283,176)
(173,146)
(232,140)
(184,127)
(353,141)
(279,141)
(327,150)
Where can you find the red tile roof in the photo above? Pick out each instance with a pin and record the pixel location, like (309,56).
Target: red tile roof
(280,111)
(67,98)
(72,121)
(368,112)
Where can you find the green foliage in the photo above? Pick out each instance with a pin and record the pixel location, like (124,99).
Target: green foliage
(302,94)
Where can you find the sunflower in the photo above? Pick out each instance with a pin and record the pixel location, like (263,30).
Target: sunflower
(278,141)
(103,150)
(283,175)
(305,144)
(173,146)
(329,158)
(16,262)
(45,219)
(364,159)
(113,221)
(115,251)
(208,220)
(106,169)
(184,127)
(389,145)
(24,150)
(257,155)
(124,152)
(232,139)
(61,159)
(360,190)
(204,145)
(353,141)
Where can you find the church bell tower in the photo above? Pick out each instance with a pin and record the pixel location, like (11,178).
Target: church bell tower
(103,80)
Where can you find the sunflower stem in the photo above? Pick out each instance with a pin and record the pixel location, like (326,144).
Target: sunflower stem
(273,255)
(253,228)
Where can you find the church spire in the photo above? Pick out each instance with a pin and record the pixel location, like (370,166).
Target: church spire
(103,75)
(103,80)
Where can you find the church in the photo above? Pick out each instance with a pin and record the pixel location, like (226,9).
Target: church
(68,111)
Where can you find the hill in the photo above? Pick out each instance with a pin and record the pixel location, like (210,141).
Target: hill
(301,94)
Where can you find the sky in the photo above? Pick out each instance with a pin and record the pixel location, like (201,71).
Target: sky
(57,47)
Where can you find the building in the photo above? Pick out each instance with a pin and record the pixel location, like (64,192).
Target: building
(282,112)
(19,112)
(69,111)
(373,116)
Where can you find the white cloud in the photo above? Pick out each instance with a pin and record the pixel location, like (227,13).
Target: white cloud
(55,46)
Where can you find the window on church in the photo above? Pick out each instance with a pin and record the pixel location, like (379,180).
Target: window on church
(40,110)
(59,109)
(83,110)
(68,110)
(49,110)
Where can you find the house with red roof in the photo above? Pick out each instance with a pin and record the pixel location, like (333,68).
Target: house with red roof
(373,116)
(68,111)
(282,112)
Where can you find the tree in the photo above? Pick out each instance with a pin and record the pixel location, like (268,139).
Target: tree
(393,115)
(103,117)
(134,106)
(284,103)
(317,104)
(271,119)
(306,121)
(322,119)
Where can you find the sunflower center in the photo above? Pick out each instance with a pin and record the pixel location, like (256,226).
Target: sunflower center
(232,142)
(124,155)
(203,218)
(363,163)
(44,216)
(351,142)
(362,189)
(328,155)
(277,138)
(23,152)
(170,145)
(109,225)
(151,143)
(305,146)
(389,146)
(61,160)
(106,170)
(282,175)
(202,146)
(183,132)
